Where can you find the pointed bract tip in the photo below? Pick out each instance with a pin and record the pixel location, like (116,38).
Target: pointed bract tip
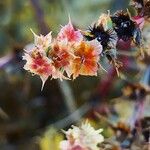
(33,32)
(69,18)
(108,11)
(128,12)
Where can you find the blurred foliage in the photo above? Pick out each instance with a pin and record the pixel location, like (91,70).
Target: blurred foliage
(50,140)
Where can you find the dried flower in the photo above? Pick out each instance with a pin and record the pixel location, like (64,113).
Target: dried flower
(69,34)
(62,55)
(84,137)
(123,25)
(38,64)
(126,28)
(107,39)
(44,42)
(103,32)
(87,58)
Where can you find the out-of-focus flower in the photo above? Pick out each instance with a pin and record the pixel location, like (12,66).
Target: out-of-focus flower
(38,64)
(143,125)
(50,140)
(87,58)
(84,137)
(136,91)
(140,21)
(142,7)
(44,42)
(146,37)
(68,33)
(65,145)
(138,4)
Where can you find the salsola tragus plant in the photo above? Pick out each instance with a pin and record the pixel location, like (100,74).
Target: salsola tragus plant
(77,52)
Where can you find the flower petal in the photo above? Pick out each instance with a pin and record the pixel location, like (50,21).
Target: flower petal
(38,64)
(69,33)
(86,62)
(42,41)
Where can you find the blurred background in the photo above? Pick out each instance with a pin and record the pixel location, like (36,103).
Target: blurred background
(31,119)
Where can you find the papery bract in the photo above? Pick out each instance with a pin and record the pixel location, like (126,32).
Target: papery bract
(66,145)
(62,56)
(69,34)
(42,41)
(87,58)
(38,64)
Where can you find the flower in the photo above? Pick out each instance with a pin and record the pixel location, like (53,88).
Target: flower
(126,28)
(61,53)
(84,137)
(103,32)
(123,25)
(87,57)
(38,64)
(142,7)
(44,42)
(66,145)
(69,34)
(107,38)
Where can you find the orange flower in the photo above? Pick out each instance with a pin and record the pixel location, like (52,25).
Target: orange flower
(61,55)
(87,57)
(38,64)
(68,33)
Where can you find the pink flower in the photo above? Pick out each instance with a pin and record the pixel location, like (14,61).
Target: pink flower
(69,34)
(66,145)
(84,137)
(44,42)
(38,64)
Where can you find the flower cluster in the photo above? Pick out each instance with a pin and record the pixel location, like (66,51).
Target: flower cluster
(76,52)
(65,57)
(84,137)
